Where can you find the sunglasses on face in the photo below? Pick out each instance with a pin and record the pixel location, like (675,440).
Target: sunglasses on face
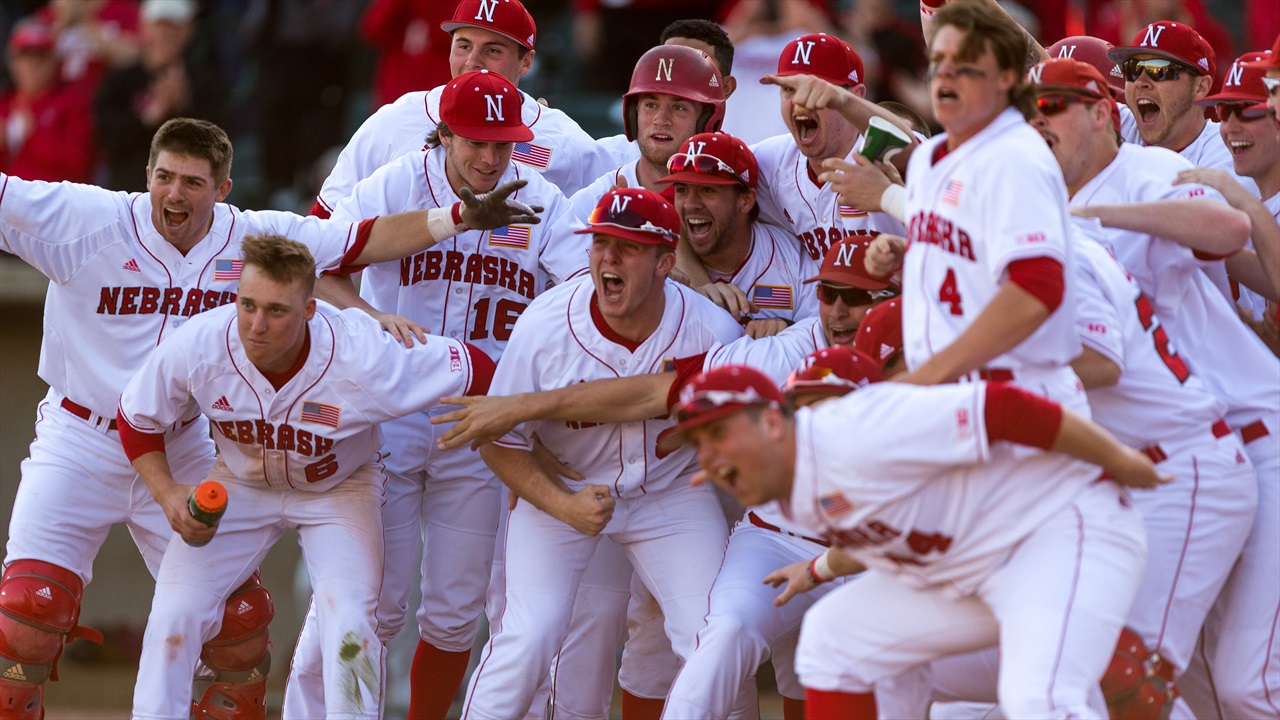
(702,163)
(1050,105)
(1223,111)
(1158,69)
(850,296)
(628,220)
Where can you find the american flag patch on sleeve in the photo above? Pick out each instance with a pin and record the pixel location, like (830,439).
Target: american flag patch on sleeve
(777,297)
(531,154)
(227,270)
(511,236)
(321,413)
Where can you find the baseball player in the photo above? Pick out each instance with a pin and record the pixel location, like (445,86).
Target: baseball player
(1161,243)
(127,270)
(718,678)
(294,392)
(493,35)
(963,548)
(750,263)
(629,319)
(472,288)
(790,193)
(675,93)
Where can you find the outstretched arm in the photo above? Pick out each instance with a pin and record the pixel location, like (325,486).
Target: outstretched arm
(1185,222)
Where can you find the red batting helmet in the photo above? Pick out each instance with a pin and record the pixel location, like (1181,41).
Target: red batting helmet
(680,71)
(1092,50)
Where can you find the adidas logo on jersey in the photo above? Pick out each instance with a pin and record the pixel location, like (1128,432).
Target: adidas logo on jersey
(222,404)
(45,593)
(132,266)
(16,673)
(243,608)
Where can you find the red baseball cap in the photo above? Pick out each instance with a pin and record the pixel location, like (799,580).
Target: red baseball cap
(1076,77)
(505,17)
(880,333)
(716,393)
(1272,62)
(1243,82)
(1092,50)
(635,214)
(484,107)
(713,159)
(1172,41)
(844,265)
(31,35)
(823,55)
(833,371)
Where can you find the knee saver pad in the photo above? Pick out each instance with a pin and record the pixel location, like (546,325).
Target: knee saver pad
(1138,684)
(39,607)
(242,642)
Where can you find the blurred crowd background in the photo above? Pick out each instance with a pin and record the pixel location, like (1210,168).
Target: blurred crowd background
(86,82)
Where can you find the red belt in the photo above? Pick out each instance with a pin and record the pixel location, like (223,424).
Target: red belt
(1253,431)
(1158,455)
(995,375)
(85,413)
(755,520)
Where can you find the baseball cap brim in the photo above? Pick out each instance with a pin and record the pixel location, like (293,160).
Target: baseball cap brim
(489,133)
(1074,90)
(697,178)
(1271,62)
(449,27)
(636,236)
(672,438)
(850,280)
(1228,97)
(834,80)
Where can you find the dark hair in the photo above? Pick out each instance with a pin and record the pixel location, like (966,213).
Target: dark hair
(707,32)
(987,26)
(441,130)
(905,112)
(194,138)
(283,260)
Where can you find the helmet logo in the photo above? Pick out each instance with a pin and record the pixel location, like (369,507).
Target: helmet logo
(802,52)
(1067,51)
(493,108)
(1236,76)
(485,11)
(845,255)
(1034,74)
(1152,38)
(665,67)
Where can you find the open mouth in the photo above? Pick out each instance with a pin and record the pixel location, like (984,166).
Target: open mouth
(1049,138)
(806,127)
(662,138)
(1239,147)
(611,286)
(698,228)
(842,336)
(175,218)
(945,94)
(726,474)
(1148,111)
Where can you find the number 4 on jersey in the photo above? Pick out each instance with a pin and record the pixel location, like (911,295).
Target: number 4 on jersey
(949,293)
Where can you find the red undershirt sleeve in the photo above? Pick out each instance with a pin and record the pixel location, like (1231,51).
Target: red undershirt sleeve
(320,211)
(685,369)
(482,368)
(1015,415)
(346,265)
(1040,276)
(136,442)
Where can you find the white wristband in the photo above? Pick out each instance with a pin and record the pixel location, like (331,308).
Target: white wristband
(822,568)
(440,223)
(894,201)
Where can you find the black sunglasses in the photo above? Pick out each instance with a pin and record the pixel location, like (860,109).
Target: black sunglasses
(1158,69)
(851,296)
(1223,111)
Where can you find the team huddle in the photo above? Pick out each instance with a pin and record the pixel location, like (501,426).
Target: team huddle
(985,427)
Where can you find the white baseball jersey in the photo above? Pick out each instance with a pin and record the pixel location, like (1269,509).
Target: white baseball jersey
(1225,354)
(322,425)
(560,150)
(474,285)
(1157,397)
(584,200)
(621,149)
(118,288)
(773,275)
(908,493)
(791,197)
(996,199)
(558,342)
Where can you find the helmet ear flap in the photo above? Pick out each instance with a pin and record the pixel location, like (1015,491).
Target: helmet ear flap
(709,120)
(630,122)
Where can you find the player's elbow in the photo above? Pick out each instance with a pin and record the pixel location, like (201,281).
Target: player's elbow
(1236,229)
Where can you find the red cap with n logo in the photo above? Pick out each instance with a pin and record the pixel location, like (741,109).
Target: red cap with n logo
(484,107)
(1243,82)
(1171,41)
(825,56)
(505,17)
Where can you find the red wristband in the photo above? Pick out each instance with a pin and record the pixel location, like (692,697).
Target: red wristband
(813,573)
(457,213)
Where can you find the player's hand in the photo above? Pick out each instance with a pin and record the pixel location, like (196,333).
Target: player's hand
(730,297)
(884,255)
(797,580)
(765,327)
(622,182)
(1232,191)
(588,511)
(495,209)
(810,92)
(859,184)
(173,500)
(552,464)
(401,328)
(479,421)
(1136,470)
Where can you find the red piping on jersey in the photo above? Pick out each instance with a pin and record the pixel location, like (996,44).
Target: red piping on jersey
(796,173)
(609,333)
(231,358)
(426,106)
(4,188)
(333,351)
(137,442)
(573,331)
(278,380)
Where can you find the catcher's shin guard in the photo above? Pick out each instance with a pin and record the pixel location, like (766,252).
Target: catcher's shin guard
(239,656)
(39,607)
(1138,685)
